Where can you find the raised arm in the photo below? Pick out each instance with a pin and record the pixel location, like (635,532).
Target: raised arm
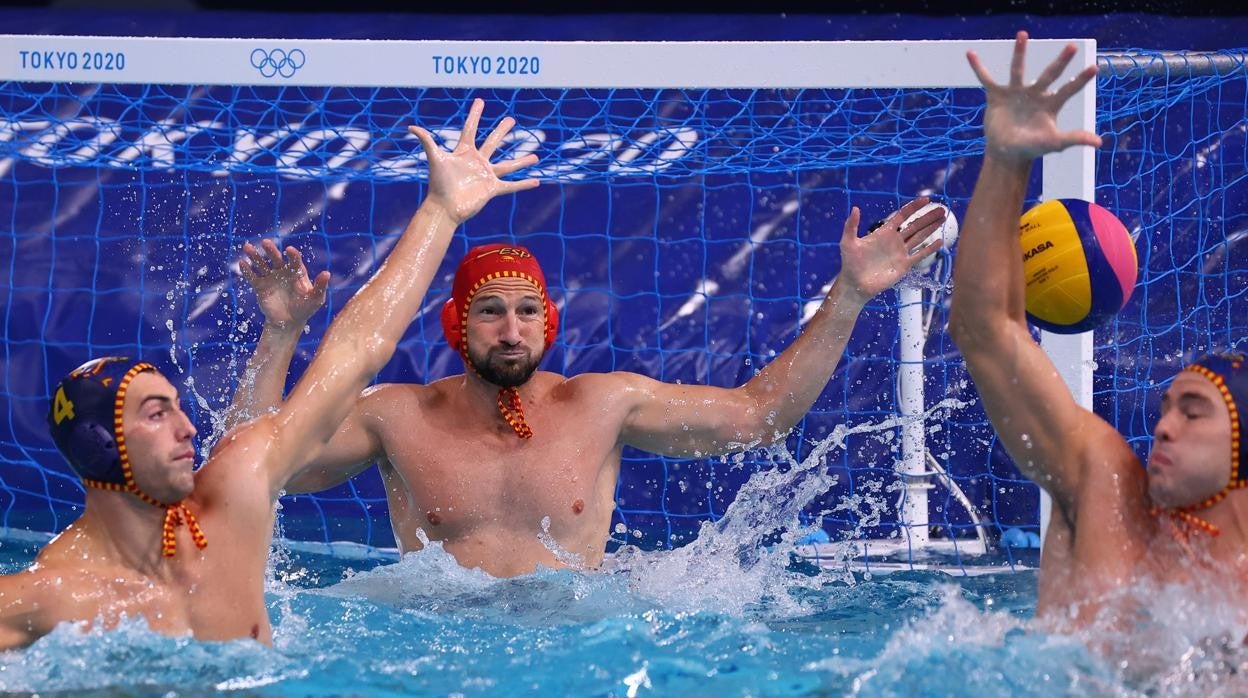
(1042,427)
(287,298)
(690,419)
(363,336)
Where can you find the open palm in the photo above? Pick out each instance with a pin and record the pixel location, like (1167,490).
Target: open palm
(1020,121)
(285,294)
(878,260)
(462,181)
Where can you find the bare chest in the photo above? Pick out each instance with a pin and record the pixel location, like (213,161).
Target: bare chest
(462,478)
(198,599)
(108,597)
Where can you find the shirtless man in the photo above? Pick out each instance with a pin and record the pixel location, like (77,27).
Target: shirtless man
(1114,522)
(503,463)
(187,550)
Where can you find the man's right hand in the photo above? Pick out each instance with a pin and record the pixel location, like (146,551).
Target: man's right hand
(285,294)
(463,181)
(1020,121)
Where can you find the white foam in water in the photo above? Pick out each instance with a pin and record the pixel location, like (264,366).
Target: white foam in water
(132,657)
(422,574)
(1177,639)
(727,568)
(958,649)
(574,560)
(431,581)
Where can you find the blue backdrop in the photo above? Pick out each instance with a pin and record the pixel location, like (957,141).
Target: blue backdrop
(621,257)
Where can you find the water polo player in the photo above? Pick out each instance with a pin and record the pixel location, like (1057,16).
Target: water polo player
(524,468)
(185,550)
(1114,523)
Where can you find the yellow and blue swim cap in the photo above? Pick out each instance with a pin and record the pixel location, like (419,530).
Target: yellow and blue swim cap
(85,417)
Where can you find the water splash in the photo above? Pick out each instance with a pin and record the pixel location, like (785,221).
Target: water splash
(963,650)
(730,568)
(133,658)
(431,581)
(1176,638)
(574,560)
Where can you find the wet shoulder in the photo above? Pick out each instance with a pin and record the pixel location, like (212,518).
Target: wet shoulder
(595,384)
(241,453)
(43,585)
(65,566)
(69,549)
(253,432)
(1112,517)
(406,398)
(616,387)
(1109,459)
(80,546)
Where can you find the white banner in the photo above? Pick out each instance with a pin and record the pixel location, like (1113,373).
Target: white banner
(506,64)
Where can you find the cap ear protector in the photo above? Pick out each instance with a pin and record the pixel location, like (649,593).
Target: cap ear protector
(97,449)
(481,265)
(83,417)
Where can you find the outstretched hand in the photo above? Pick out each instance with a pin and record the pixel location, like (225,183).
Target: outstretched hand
(1020,121)
(876,261)
(285,294)
(464,180)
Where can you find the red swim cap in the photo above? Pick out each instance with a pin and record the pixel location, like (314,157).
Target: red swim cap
(483,264)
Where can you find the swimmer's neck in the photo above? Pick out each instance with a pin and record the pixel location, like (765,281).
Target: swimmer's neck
(477,402)
(1230,516)
(123,530)
(480,391)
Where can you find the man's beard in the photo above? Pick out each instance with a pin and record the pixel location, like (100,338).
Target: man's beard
(504,374)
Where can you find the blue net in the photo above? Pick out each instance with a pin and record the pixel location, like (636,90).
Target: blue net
(1175,169)
(684,234)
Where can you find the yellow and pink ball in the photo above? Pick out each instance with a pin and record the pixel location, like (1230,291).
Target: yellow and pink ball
(1079,265)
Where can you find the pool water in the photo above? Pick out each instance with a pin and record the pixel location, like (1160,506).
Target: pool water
(733,613)
(425,626)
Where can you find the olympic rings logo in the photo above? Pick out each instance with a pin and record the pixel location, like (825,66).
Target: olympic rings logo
(277,62)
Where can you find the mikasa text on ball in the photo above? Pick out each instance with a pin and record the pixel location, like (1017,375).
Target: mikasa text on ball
(1079,265)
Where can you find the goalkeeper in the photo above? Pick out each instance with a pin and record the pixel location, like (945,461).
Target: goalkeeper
(511,467)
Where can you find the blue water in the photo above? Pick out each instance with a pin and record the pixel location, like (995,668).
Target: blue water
(424,626)
(722,616)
